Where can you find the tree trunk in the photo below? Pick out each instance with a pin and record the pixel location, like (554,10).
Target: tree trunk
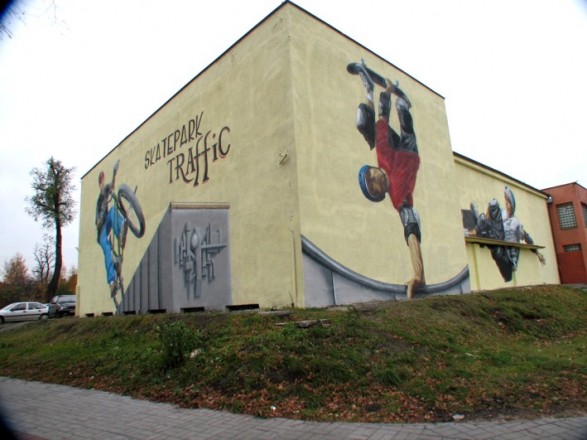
(54,283)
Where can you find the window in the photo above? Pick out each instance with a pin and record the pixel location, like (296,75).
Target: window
(566,216)
(572,248)
(584,207)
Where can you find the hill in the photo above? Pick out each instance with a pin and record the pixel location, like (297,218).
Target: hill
(509,353)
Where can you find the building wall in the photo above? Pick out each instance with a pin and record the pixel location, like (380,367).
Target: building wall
(571,243)
(478,185)
(242,104)
(364,236)
(247,180)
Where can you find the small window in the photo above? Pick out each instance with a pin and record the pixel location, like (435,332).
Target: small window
(18,307)
(572,248)
(584,207)
(566,216)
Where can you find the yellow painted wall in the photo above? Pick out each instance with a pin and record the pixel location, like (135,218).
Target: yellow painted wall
(285,105)
(364,236)
(249,91)
(479,184)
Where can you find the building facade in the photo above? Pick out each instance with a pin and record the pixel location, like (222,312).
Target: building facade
(567,209)
(299,169)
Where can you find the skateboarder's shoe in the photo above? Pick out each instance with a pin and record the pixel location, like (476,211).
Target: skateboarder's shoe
(403,99)
(113,288)
(359,69)
(384,105)
(365,122)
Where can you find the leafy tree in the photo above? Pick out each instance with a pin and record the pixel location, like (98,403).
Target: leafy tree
(68,282)
(17,284)
(16,271)
(71,282)
(53,203)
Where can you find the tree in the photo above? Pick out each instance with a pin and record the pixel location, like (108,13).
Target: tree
(13,11)
(16,271)
(68,282)
(10,11)
(44,258)
(53,203)
(17,284)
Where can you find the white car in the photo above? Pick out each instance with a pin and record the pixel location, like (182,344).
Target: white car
(23,311)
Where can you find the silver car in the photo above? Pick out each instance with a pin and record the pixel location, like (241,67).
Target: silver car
(23,311)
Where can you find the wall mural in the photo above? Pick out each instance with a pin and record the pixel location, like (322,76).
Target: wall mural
(117,212)
(398,160)
(503,225)
(194,252)
(392,138)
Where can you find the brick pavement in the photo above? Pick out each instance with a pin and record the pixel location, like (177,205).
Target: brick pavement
(39,411)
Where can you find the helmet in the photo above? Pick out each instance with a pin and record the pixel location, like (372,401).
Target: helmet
(509,195)
(365,188)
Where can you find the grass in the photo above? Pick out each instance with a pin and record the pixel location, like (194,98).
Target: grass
(516,352)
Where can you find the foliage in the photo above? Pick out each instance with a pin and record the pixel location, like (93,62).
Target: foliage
(493,354)
(17,284)
(16,271)
(177,341)
(52,202)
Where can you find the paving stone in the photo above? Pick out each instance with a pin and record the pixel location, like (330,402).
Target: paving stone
(52,412)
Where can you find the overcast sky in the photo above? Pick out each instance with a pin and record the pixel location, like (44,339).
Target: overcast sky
(77,76)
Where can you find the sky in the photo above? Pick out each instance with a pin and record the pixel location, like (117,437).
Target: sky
(78,76)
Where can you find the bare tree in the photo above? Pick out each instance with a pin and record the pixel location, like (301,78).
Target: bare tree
(10,12)
(53,203)
(44,255)
(14,11)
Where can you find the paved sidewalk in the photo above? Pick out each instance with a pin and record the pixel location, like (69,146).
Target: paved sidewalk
(40,411)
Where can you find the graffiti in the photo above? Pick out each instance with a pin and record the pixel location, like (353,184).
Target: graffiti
(397,159)
(194,254)
(117,212)
(192,163)
(168,145)
(501,225)
(188,166)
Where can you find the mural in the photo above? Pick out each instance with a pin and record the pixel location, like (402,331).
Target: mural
(194,253)
(503,225)
(398,160)
(116,213)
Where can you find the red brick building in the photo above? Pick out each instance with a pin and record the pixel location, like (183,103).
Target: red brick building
(567,209)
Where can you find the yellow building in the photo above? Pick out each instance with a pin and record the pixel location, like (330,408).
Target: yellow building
(248,188)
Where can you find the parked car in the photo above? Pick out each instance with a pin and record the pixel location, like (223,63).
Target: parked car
(23,311)
(62,305)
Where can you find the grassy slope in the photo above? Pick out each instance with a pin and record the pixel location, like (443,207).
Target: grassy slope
(510,352)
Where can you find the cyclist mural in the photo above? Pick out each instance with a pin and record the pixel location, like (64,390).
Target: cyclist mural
(116,213)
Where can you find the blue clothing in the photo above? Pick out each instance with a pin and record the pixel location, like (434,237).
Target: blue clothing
(114,221)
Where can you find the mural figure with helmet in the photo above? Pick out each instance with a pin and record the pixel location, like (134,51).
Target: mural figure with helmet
(503,225)
(113,220)
(397,159)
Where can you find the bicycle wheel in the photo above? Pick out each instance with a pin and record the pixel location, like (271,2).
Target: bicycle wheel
(131,210)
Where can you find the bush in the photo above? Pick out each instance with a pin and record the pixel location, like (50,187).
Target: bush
(177,341)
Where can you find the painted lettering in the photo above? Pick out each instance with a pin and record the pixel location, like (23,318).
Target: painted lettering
(191,165)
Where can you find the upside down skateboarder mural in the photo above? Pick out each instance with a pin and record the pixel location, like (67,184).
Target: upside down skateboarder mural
(117,212)
(397,159)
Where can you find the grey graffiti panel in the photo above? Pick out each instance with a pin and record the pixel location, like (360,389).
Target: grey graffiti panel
(201,263)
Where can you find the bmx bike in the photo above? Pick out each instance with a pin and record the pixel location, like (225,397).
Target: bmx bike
(130,214)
